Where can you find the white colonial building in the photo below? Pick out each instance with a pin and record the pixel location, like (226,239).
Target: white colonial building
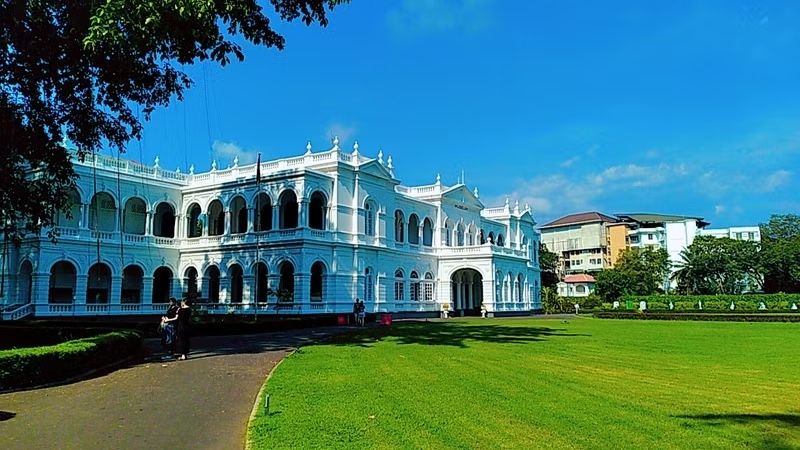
(320,229)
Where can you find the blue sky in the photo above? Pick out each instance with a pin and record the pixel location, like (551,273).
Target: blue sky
(672,107)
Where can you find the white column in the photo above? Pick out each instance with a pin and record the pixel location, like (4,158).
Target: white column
(147,290)
(40,288)
(116,290)
(276,216)
(227,214)
(148,226)
(249,289)
(81,283)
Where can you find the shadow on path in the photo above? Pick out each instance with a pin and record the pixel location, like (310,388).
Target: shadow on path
(454,334)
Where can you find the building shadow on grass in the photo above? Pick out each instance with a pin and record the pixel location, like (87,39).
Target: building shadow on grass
(452,334)
(772,427)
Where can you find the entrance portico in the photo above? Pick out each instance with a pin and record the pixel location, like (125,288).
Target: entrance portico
(466,286)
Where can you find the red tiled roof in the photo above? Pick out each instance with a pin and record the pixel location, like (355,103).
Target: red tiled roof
(585,217)
(579,278)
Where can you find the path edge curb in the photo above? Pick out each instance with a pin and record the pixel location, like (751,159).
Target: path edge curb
(248,445)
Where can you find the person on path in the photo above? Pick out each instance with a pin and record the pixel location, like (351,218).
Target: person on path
(362,313)
(182,320)
(168,328)
(355,311)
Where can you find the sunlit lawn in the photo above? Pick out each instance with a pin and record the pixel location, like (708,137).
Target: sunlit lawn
(585,383)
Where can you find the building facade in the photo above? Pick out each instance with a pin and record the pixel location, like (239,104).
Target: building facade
(580,240)
(302,235)
(576,285)
(748,233)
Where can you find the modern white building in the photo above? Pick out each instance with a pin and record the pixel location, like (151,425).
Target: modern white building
(320,229)
(748,233)
(576,285)
(670,232)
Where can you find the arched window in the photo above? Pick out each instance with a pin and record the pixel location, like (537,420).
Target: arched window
(216,219)
(288,210)
(427,232)
(317,211)
(235,276)
(429,287)
(262,282)
(491,237)
(25,282)
(481,237)
(70,217)
(448,233)
(399,224)
(194,228)
(317,274)
(460,235)
(162,285)
(416,288)
(369,219)
(164,221)
(287,282)
(471,235)
(238,215)
(520,287)
(132,284)
(369,286)
(98,284)
(399,285)
(102,212)
(190,282)
(134,216)
(498,283)
(413,229)
(500,240)
(263,221)
(580,289)
(212,277)
(62,282)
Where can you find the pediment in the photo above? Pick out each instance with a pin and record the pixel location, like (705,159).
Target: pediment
(461,194)
(377,170)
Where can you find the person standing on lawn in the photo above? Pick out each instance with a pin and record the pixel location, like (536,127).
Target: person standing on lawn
(355,311)
(362,313)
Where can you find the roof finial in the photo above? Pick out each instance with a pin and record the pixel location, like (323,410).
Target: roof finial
(507,202)
(191,169)
(336,143)
(516,207)
(236,161)
(214,165)
(355,149)
(389,164)
(527,207)
(156,162)
(178,170)
(308,147)
(380,156)
(438,178)
(475,192)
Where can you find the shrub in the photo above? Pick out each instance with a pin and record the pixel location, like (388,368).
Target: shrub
(713,316)
(25,367)
(721,303)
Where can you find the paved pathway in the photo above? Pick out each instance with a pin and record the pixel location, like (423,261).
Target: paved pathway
(201,403)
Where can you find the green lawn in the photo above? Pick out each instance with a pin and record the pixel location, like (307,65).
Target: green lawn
(523,383)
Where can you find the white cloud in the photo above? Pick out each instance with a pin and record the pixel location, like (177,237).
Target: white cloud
(651,154)
(225,152)
(719,209)
(570,162)
(414,17)
(774,180)
(550,195)
(639,176)
(344,132)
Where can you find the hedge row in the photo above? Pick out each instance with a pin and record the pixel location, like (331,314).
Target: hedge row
(715,317)
(749,302)
(33,366)
(15,335)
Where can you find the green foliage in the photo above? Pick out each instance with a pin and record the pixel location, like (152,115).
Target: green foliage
(637,272)
(548,262)
(780,253)
(582,383)
(25,367)
(721,303)
(79,70)
(552,303)
(713,265)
